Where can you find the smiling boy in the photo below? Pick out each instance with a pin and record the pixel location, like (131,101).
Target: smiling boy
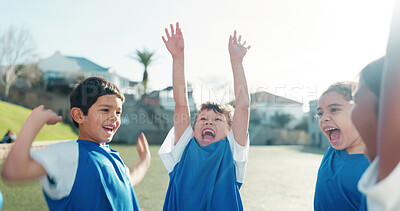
(343,162)
(206,163)
(83,174)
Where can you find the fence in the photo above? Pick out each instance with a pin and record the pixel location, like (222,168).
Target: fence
(5,148)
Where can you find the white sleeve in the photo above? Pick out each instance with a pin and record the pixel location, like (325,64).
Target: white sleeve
(61,163)
(170,154)
(384,195)
(240,156)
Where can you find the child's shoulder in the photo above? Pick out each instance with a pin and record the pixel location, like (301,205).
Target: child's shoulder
(61,149)
(332,152)
(344,155)
(355,162)
(62,145)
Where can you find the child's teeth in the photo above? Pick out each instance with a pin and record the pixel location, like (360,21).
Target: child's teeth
(208,131)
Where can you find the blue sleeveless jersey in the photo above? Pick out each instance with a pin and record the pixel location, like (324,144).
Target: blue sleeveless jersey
(338,176)
(204,179)
(101,182)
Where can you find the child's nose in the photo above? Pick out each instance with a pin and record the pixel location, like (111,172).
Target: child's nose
(113,116)
(326,117)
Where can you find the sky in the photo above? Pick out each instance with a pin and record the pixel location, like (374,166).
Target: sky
(298,47)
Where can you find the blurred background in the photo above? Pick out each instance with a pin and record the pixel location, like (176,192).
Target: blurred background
(298,49)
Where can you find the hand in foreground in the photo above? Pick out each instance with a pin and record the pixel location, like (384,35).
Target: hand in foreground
(143,149)
(237,50)
(174,42)
(139,169)
(47,115)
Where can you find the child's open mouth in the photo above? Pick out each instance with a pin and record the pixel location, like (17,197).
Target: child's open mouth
(108,129)
(208,135)
(333,134)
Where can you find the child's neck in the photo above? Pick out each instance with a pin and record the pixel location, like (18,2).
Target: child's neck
(99,143)
(357,147)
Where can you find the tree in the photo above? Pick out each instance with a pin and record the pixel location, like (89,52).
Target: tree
(282,119)
(30,75)
(303,124)
(145,57)
(16,48)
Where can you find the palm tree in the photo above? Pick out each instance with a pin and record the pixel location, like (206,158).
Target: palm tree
(146,58)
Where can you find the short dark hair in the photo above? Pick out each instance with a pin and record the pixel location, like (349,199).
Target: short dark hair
(226,110)
(372,75)
(86,93)
(344,88)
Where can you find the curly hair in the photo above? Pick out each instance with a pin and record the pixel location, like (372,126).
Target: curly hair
(345,88)
(226,110)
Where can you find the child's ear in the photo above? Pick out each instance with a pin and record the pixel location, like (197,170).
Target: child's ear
(77,115)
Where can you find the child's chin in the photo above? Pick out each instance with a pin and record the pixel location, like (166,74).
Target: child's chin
(206,142)
(106,141)
(337,145)
(209,141)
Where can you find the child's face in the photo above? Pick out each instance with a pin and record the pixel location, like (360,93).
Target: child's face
(102,120)
(335,122)
(210,127)
(364,117)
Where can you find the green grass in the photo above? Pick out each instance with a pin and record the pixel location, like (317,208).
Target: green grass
(150,192)
(13,117)
(24,196)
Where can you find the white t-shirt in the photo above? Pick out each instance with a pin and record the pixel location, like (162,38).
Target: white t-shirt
(384,195)
(171,155)
(60,161)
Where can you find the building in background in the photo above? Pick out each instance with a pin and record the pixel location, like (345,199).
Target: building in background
(264,129)
(264,106)
(63,72)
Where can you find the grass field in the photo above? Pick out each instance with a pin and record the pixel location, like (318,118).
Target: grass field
(13,117)
(277,178)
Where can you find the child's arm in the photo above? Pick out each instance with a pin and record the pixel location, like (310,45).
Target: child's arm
(175,46)
(388,138)
(240,123)
(139,169)
(19,166)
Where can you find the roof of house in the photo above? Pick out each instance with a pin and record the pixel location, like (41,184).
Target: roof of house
(269,98)
(86,65)
(60,63)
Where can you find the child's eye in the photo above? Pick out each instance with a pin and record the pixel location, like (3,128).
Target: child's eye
(119,112)
(334,110)
(319,114)
(218,119)
(202,118)
(105,109)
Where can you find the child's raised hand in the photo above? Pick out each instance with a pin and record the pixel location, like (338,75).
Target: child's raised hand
(143,148)
(139,169)
(237,50)
(47,115)
(174,42)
